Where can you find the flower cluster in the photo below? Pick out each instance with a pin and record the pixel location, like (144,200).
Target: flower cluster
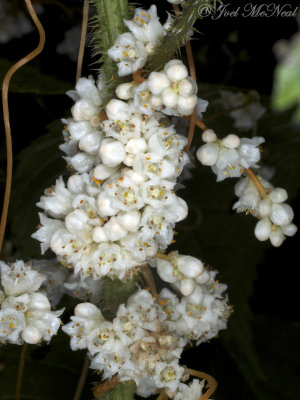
(115,216)
(229,156)
(25,312)
(170,91)
(144,341)
(275,216)
(131,49)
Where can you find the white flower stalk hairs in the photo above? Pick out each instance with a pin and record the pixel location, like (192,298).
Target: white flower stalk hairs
(275,216)
(228,157)
(25,312)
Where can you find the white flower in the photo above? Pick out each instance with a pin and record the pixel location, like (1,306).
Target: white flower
(145,26)
(129,53)
(19,278)
(193,391)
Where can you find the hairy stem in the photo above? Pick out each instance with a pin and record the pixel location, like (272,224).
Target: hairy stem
(177,34)
(108,24)
(103,387)
(148,277)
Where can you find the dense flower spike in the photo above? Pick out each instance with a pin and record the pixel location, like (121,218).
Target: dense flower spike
(25,312)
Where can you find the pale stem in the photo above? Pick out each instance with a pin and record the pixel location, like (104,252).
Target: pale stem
(5,106)
(82,379)
(21,371)
(212,384)
(162,256)
(85,17)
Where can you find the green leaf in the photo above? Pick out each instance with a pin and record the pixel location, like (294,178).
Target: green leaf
(37,167)
(30,79)
(123,391)
(115,292)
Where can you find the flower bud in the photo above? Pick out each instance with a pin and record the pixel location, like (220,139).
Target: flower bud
(289,230)
(112,152)
(208,154)
(39,301)
(231,141)
(169,97)
(136,146)
(157,82)
(277,237)
(187,286)
(104,205)
(103,172)
(189,266)
(264,208)
(116,110)
(185,87)
(83,109)
(99,235)
(82,162)
(186,105)
(87,310)
(156,101)
(263,229)
(79,129)
(31,335)
(165,270)
(176,70)
(130,220)
(209,136)
(75,184)
(281,214)
(76,221)
(278,195)
(124,91)
(196,297)
(114,231)
(90,143)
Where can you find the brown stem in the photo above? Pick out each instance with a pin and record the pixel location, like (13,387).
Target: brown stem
(8,138)
(255,180)
(212,384)
(137,76)
(21,371)
(82,378)
(105,386)
(162,395)
(147,275)
(85,17)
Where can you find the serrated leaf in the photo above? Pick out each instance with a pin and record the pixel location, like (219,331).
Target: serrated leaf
(123,391)
(30,79)
(36,168)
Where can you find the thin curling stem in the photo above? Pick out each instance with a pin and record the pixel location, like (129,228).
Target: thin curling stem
(21,370)
(85,17)
(148,277)
(82,379)
(162,256)
(7,128)
(212,384)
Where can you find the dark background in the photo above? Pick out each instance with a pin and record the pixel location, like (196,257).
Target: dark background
(258,356)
